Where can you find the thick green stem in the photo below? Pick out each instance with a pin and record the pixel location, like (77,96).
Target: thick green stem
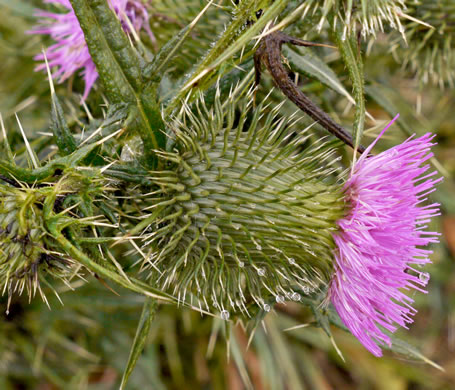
(119,68)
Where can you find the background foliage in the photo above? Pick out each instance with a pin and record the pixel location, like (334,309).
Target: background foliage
(86,343)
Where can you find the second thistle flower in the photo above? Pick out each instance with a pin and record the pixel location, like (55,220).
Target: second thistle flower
(69,54)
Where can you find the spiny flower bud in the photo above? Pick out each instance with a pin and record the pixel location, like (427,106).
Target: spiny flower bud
(369,17)
(27,252)
(430,39)
(245,212)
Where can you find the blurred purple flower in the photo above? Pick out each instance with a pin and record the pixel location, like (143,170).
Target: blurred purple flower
(379,245)
(70,53)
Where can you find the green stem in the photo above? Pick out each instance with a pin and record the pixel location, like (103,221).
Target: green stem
(119,69)
(130,283)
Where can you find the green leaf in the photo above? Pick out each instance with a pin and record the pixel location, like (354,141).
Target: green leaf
(233,40)
(63,138)
(353,60)
(404,349)
(167,52)
(142,331)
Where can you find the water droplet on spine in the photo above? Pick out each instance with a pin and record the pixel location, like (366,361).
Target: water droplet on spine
(424,277)
(295,297)
(291,261)
(225,315)
(279,299)
(266,307)
(261,271)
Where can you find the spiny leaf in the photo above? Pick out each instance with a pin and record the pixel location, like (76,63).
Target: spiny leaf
(404,349)
(142,331)
(234,38)
(62,134)
(353,61)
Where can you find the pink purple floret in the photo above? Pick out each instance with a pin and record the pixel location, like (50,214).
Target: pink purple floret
(381,241)
(69,53)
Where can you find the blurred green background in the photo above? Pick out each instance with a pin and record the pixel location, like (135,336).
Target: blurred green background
(85,343)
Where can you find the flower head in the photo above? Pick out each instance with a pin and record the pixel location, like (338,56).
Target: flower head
(70,52)
(242,218)
(380,242)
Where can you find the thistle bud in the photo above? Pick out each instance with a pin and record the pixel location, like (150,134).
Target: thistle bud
(26,250)
(245,212)
(430,35)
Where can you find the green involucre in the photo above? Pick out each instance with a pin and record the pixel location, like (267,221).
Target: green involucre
(244,212)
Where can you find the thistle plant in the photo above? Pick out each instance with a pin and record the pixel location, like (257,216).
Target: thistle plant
(195,189)
(27,251)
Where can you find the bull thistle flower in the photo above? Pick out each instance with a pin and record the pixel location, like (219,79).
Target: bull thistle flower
(244,214)
(382,238)
(70,52)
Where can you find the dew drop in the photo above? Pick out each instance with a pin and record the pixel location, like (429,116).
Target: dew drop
(225,315)
(236,226)
(295,297)
(241,264)
(253,205)
(261,271)
(291,261)
(266,307)
(424,277)
(258,247)
(306,290)
(279,299)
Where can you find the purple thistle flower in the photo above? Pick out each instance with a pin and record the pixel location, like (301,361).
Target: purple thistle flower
(381,239)
(70,52)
